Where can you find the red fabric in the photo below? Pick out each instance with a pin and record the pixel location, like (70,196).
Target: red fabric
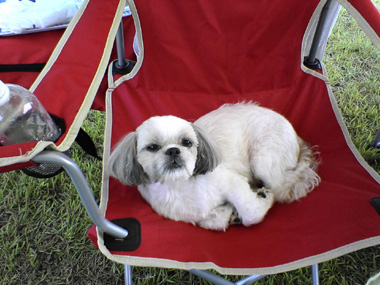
(26,49)
(199,55)
(369,11)
(39,48)
(78,61)
(64,87)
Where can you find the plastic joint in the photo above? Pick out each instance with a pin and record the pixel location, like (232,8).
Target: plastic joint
(123,70)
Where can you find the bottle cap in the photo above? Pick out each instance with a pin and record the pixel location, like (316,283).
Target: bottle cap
(4,93)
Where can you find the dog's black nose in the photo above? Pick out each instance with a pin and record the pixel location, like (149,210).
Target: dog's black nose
(173,151)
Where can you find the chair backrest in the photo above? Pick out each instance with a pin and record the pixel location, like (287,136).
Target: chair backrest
(236,50)
(206,50)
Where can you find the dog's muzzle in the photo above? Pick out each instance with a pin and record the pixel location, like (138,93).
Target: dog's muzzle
(174,160)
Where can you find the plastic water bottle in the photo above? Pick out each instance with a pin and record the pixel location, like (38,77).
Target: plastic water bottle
(23,118)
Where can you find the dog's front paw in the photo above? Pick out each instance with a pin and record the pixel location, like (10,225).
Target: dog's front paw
(214,224)
(218,219)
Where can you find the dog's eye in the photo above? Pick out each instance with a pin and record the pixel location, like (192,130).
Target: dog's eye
(153,147)
(187,143)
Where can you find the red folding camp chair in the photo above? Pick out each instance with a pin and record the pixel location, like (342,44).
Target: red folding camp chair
(66,87)
(198,55)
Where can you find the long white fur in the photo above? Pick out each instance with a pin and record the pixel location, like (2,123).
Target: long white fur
(233,148)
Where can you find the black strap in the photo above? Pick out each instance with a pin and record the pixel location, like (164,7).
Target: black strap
(375,202)
(31,67)
(83,139)
(87,144)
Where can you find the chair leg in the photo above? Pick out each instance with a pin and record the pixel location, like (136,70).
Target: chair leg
(128,274)
(250,279)
(315,274)
(83,189)
(209,276)
(376,141)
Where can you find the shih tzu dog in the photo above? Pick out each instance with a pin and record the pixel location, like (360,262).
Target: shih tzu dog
(228,167)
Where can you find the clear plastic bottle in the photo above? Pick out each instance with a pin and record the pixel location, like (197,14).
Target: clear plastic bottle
(23,118)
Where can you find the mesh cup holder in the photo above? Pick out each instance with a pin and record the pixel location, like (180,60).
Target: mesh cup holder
(45,170)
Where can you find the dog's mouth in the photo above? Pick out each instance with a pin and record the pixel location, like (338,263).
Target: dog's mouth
(174,164)
(174,169)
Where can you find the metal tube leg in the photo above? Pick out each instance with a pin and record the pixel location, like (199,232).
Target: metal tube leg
(250,279)
(319,32)
(83,189)
(315,274)
(128,274)
(376,141)
(120,46)
(215,279)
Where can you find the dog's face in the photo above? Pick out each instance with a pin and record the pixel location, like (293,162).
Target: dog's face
(167,148)
(163,149)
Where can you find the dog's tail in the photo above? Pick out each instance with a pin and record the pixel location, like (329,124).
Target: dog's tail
(303,179)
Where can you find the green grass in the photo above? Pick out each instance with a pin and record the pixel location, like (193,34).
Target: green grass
(43,223)
(353,67)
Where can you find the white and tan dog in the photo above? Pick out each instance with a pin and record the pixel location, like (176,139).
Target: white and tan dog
(228,167)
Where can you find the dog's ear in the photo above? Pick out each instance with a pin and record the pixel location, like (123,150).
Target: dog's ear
(123,163)
(208,156)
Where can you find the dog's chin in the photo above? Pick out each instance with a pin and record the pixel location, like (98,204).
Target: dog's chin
(173,176)
(174,173)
